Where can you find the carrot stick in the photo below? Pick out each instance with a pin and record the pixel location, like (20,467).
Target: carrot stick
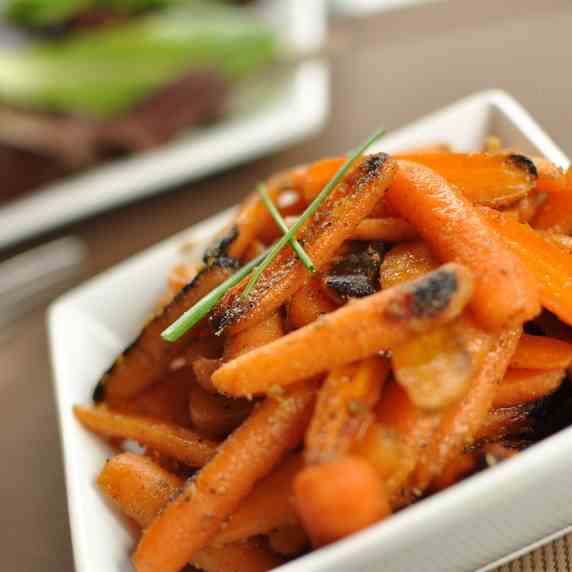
(406,262)
(353,332)
(551,178)
(459,468)
(505,292)
(485,179)
(333,223)
(147,360)
(500,423)
(141,489)
(524,385)
(318,175)
(138,486)
(182,444)
(393,444)
(339,498)
(254,337)
(214,415)
(563,241)
(550,265)
(189,522)
(308,304)
(203,368)
(387,229)
(556,213)
(460,425)
(540,352)
(167,400)
(343,408)
(267,508)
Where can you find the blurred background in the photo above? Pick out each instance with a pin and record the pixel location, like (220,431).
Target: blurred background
(123,122)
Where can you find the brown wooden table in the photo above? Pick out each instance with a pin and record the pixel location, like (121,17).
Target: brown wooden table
(409,63)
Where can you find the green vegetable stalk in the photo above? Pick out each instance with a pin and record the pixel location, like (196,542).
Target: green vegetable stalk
(104,72)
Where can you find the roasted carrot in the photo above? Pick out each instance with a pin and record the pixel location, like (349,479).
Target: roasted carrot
(254,337)
(401,434)
(459,468)
(521,386)
(148,358)
(328,514)
(406,262)
(182,444)
(353,332)
(138,486)
(487,179)
(167,400)
(540,352)
(556,213)
(387,229)
(505,291)
(549,264)
(462,422)
(344,406)
(203,368)
(189,522)
(216,416)
(308,304)
(319,175)
(141,489)
(551,178)
(333,223)
(500,423)
(267,508)
(563,241)
(288,540)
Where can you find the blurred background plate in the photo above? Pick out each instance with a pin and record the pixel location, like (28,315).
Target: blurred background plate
(283,108)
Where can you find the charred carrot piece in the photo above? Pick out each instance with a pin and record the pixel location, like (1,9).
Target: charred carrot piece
(353,332)
(308,304)
(549,264)
(521,386)
(148,358)
(556,213)
(182,444)
(332,224)
(505,291)
(344,406)
(267,508)
(387,229)
(485,179)
(540,352)
(460,425)
(248,455)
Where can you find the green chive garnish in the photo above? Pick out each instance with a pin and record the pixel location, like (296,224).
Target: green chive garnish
(197,312)
(302,255)
(312,208)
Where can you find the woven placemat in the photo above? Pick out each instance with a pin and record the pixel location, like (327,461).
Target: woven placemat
(556,556)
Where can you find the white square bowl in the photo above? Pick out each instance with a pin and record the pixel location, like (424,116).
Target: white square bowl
(297,109)
(467,527)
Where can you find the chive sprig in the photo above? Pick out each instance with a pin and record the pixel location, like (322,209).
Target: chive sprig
(257,266)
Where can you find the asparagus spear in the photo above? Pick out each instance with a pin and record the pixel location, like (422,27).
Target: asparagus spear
(105,72)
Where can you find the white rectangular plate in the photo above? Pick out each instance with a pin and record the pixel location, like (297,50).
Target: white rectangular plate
(298,109)
(474,523)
